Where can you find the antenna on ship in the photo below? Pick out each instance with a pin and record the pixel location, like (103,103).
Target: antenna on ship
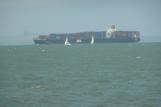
(66,43)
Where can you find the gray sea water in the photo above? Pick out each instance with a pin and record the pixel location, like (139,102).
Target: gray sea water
(99,75)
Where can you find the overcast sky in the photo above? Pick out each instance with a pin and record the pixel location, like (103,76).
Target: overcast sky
(20,20)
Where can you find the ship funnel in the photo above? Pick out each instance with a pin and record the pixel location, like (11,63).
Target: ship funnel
(110,30)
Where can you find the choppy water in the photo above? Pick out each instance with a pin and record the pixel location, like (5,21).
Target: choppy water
(101,75)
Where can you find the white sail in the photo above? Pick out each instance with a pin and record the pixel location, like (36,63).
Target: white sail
(92,40)
(66,42)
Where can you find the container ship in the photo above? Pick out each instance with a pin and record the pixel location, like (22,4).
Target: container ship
(108,36)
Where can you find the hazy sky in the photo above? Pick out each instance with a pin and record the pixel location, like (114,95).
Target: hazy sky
(20,20)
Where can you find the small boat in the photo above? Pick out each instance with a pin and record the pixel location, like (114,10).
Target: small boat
(92,40)
(66,43)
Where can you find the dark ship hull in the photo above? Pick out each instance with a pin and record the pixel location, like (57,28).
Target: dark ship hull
(86,41)
(86,37)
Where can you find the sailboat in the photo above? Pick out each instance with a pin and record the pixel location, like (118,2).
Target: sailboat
(66,42)
(92,40)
